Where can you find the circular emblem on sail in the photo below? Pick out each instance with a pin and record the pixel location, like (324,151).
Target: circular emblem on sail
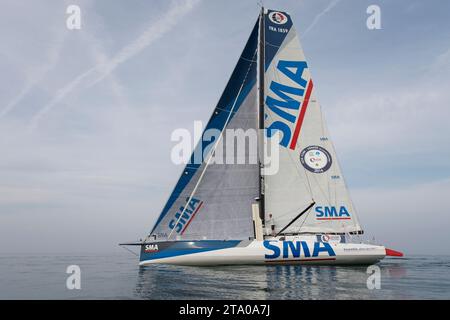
(278,17)
(315,159)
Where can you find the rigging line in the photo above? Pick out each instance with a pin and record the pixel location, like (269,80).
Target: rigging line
(129,250)
(295,219)
(248,60)
(284,215)
(214,148)
(222,109)
(304,220)
(272,45)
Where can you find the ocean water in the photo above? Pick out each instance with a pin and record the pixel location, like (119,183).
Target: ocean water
(117,276)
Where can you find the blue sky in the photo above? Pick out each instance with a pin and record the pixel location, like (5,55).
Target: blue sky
(86,115)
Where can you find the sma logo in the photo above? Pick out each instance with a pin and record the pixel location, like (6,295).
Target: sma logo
(151,248)
(332,213)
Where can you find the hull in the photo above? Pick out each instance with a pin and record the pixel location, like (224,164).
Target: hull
(266,252)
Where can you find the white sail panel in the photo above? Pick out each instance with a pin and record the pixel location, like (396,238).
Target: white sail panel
(308,169)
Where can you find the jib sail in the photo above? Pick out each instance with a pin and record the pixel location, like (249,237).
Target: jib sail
(212,200)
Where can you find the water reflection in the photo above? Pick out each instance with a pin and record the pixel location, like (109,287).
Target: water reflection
(177,282)
(259,282)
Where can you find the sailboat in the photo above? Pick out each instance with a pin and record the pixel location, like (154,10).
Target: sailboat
(239,214)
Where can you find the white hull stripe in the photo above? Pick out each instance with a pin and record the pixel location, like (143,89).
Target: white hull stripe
(262,252)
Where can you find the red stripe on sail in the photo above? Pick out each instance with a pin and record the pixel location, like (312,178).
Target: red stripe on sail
(192,217)
(299,123)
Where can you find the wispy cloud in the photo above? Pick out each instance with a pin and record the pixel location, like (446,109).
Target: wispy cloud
(100,58)
(153,32)
(34,78)
(317,18)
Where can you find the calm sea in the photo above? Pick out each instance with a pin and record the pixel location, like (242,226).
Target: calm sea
(117,276)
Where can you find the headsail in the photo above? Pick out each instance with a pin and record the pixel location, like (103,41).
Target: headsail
(308,170)
(220,207)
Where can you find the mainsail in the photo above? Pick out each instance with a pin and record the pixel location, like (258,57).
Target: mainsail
(308,170)
(213,200)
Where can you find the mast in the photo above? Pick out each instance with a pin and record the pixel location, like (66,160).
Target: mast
(261,72)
